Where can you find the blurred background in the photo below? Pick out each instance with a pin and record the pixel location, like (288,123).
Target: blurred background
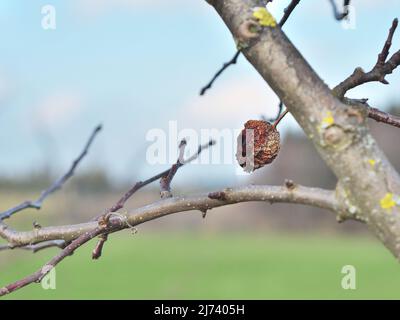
(136,65)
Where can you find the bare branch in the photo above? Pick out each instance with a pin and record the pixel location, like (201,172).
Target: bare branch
(280,108)
(61,244)
(17,239)
(120,204)
(381,116)
(312,196)
(281,116)
(24,238)
(295,194)
(199,150)
(379,71)
(388,43)
(288,11)
(37,204)
(165,181)
(38,275)
(219,72)
(374,113)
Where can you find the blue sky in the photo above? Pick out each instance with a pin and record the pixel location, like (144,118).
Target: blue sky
(134,65)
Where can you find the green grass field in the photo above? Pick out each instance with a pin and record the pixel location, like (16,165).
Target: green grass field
(167,266)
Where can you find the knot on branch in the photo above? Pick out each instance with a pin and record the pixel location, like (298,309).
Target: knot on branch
(247,31)
(334,135)
(357,113)
(289,184)
(218,195)
(336,131)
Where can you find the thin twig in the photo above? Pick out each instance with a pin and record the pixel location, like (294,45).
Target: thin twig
(379,71)
(121,202)
(288,11)
(374,113)
(165,181)
(280,108)
(167,173)
(24,238)
(388,43)
(303,195)
(37,204)
(105,226)
(61,244)
(381,116)
(280,118)
(38,275)
(219,72)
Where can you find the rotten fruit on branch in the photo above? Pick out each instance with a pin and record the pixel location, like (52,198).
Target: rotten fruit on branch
(258,144)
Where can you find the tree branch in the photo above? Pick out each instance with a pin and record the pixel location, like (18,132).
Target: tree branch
(38,275)
(288,11)
(374,113)
(165,181)
(219,72)
(120,204)
(69,238)
(303,195)
(61,244)
(274,194)
(384,117)
(37,204)
(378,73)
(68,233)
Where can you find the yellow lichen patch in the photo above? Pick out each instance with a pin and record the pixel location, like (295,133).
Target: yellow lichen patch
(328,120)
(387,202)
(264,17)
(372,162)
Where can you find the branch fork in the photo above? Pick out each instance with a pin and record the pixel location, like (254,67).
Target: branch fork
(382,68)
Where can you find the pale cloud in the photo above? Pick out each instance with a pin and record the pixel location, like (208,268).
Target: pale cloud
(58,109)
(229,104)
